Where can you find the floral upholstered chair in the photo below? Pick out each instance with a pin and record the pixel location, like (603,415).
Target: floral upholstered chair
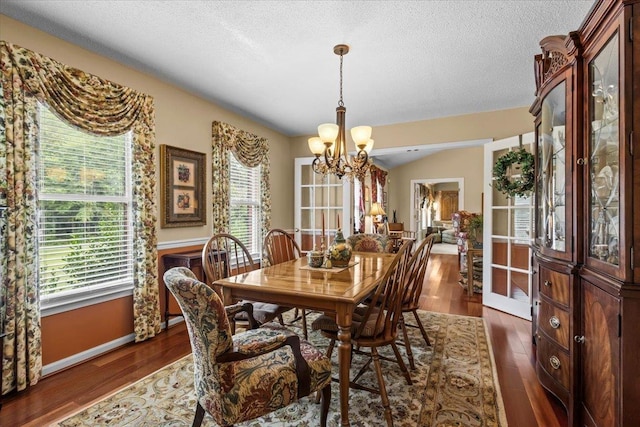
(252,373)
(365,242)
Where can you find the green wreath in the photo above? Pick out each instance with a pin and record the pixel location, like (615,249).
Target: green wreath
(518,186)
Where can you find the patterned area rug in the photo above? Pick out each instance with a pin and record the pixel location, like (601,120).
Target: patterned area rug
(454,384)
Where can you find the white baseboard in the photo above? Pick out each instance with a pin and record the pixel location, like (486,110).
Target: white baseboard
(96,351)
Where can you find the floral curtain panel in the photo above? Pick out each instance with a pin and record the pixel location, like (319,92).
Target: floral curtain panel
(97,106)
(377,175)
(251,151)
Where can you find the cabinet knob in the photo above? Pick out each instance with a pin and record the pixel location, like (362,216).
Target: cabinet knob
(579,339)
(554,322)
(581,161)
(555,362)
(547,283)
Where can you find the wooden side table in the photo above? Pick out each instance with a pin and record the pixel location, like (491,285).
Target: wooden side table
(191,260)
(470,254)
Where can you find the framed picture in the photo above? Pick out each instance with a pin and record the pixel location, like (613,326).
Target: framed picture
(182,187)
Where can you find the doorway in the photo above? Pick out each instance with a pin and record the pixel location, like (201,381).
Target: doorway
(508,232)
(434,199)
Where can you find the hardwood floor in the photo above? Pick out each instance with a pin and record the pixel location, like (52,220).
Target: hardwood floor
(527,404)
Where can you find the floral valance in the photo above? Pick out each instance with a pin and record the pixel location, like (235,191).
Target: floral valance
(85,100)
(251,151)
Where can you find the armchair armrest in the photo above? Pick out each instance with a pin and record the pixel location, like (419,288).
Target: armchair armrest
(236,308)
(261,341)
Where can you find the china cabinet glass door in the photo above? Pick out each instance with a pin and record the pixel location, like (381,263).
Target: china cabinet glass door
(552,172)
(603,155)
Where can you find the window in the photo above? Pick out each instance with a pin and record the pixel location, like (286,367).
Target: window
(84,215)
(245,209)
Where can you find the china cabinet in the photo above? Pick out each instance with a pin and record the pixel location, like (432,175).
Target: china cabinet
(555,266)
(587,274)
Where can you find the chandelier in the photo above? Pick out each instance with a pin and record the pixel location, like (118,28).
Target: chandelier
(331,141)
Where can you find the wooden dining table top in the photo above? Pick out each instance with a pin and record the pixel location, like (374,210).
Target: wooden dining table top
(293,282)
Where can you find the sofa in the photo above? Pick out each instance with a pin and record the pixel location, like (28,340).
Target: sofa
(450,235)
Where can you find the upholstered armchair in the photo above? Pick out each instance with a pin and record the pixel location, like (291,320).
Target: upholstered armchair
(365,242)
(252,373)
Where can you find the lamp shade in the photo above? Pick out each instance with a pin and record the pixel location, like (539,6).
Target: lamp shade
(376,209)
(361,135)
(328,132)
(316,145)
(369,146)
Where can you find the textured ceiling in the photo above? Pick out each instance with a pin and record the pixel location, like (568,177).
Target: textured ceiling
(273,61)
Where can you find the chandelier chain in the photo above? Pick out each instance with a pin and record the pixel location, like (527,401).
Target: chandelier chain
(341,102)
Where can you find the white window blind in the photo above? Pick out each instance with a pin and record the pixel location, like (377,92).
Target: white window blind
(84,211)
(245,210)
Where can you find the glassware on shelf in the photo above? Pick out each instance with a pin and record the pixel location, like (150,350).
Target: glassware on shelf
(604,154)
(552,170)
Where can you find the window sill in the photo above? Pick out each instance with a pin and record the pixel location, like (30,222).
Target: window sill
(63,303)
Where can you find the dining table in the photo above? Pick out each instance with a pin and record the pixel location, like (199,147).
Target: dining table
(335,291)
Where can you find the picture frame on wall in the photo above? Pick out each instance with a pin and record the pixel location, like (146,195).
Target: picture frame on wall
(182,187)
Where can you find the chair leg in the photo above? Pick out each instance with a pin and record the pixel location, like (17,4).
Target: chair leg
(383,390)
(403,367)
(424,333)
(329,352)
(407,344)
(326,400)
(304,324)
(197,420)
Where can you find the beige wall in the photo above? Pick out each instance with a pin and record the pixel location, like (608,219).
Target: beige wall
(466,163)
(182,119)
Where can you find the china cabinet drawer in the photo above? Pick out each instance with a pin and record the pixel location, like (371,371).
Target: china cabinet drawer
(555,285)
(554,361)
(554,322)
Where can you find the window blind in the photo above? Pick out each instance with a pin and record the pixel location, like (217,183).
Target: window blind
(84,209)
(244,207)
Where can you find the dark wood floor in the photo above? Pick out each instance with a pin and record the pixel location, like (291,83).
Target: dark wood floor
(526,402)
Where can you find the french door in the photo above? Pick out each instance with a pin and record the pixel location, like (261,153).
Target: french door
(320,201)
(508,234)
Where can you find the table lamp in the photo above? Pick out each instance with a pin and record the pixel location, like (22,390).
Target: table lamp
(375,211)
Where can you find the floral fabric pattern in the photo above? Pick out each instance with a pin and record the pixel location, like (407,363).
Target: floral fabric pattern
(242,389)
(250,150)
(365,242)
(97,106)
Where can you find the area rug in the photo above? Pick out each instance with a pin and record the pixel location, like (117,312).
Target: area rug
(454,384)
